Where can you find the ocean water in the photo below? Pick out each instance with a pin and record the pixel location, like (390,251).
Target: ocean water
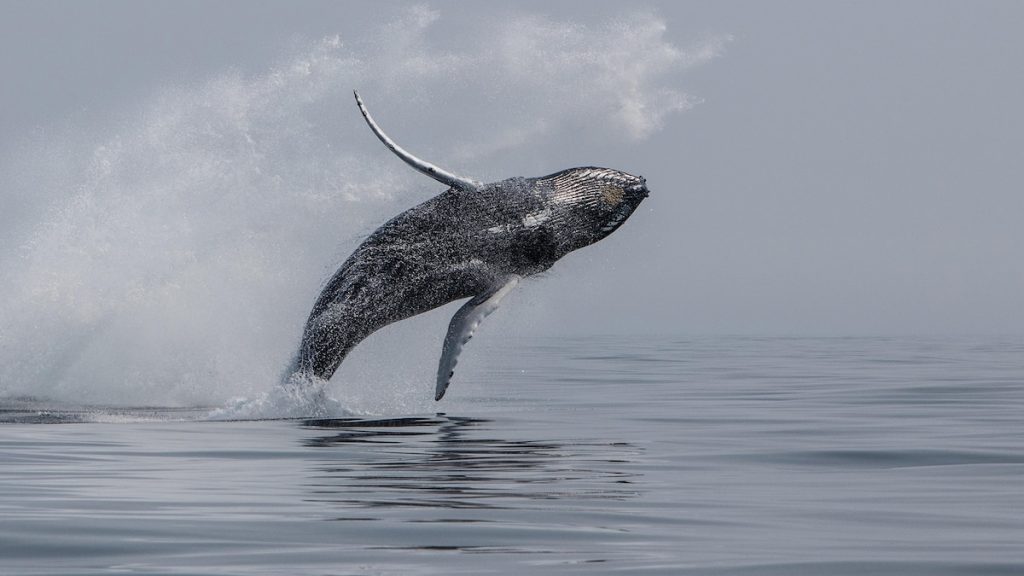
(611,455)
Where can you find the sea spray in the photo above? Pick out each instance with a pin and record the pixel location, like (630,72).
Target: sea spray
(298,397)
(173,259)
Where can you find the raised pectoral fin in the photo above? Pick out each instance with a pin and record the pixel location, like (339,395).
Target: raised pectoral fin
(441,175)
(462,327)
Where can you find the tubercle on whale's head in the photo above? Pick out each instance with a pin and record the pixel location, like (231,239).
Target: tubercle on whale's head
(591,203)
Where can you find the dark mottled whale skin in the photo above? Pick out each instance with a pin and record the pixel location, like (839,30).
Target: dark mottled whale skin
(471,241)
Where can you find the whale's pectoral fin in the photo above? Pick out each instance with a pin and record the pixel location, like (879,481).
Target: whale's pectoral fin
(441,175)
(462,327)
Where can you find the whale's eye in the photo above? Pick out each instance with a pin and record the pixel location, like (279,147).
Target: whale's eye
(612,195)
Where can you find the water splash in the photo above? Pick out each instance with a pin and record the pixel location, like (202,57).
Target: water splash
(299,397)
(176,268)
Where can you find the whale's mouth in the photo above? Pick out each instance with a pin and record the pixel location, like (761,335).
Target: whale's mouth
(634,195)
(618,217)
(639,190)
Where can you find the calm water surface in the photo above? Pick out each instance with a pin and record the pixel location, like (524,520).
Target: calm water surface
(748,456)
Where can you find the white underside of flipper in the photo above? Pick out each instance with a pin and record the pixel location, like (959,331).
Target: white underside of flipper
(462,327)
(441,175)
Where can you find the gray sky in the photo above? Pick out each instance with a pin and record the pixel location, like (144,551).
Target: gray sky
(845,167)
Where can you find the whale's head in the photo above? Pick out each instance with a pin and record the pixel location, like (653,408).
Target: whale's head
(591,203)
(577,207)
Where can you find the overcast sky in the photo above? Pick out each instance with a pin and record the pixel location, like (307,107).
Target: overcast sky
(815,167)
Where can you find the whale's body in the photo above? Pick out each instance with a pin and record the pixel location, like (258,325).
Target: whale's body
(472,241)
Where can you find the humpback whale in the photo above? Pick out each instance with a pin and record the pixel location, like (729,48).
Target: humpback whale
(473,240)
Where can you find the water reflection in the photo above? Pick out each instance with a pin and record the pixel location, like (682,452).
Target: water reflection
(453,462)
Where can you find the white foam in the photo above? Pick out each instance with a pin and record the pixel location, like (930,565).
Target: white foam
(297,398)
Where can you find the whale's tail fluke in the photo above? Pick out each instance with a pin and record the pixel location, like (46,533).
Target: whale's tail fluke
(441,175)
